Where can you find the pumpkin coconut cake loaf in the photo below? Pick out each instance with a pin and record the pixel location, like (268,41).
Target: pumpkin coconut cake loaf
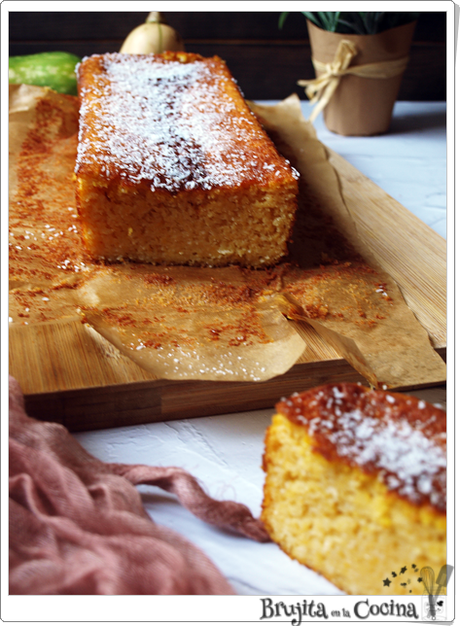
(174,168)
(355,486)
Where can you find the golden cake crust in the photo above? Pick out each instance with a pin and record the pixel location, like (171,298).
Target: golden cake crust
(176,120)
(174,168)
(399,438)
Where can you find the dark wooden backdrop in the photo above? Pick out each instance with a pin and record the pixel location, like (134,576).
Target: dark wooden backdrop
(265,60)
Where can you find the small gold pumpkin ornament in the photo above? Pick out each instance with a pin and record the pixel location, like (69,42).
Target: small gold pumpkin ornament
(154,36)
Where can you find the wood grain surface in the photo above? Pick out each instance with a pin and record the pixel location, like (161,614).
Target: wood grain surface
(70,374)
(404,246)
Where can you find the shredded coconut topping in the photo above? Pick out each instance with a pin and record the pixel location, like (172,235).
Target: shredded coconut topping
(403,442)
(175,124)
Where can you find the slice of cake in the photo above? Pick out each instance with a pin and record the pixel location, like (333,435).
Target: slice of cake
(174,168)
(355,486)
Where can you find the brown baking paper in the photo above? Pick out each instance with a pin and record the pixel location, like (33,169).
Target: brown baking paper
(189,323)
(202,323)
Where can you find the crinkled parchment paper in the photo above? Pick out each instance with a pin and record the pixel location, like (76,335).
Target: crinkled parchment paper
(206,323)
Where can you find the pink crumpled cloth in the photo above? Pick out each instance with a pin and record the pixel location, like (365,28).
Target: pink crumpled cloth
(77,525)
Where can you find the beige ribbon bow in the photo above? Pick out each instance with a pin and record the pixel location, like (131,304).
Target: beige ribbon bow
(321,89)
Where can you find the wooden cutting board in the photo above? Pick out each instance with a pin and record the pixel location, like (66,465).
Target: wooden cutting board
(70,374)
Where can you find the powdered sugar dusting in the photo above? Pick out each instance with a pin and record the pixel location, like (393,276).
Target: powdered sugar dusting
(172,123)
(397,449)
(378,432)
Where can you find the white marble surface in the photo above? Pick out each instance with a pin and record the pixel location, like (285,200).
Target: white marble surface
(224,452)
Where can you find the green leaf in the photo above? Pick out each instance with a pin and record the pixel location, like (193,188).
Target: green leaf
(358,23)
(312,17)
(282,19)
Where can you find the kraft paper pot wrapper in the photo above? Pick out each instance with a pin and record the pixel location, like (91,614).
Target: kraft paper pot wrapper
(362,106)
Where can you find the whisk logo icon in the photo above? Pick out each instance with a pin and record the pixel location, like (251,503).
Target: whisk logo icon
(434,604)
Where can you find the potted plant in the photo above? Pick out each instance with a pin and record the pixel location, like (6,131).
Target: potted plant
(359,60)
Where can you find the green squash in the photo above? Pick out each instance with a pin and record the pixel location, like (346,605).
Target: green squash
(46,69)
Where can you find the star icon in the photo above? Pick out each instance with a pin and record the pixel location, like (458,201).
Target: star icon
(394,574)
(419,579)
(386,582)
(403,570)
